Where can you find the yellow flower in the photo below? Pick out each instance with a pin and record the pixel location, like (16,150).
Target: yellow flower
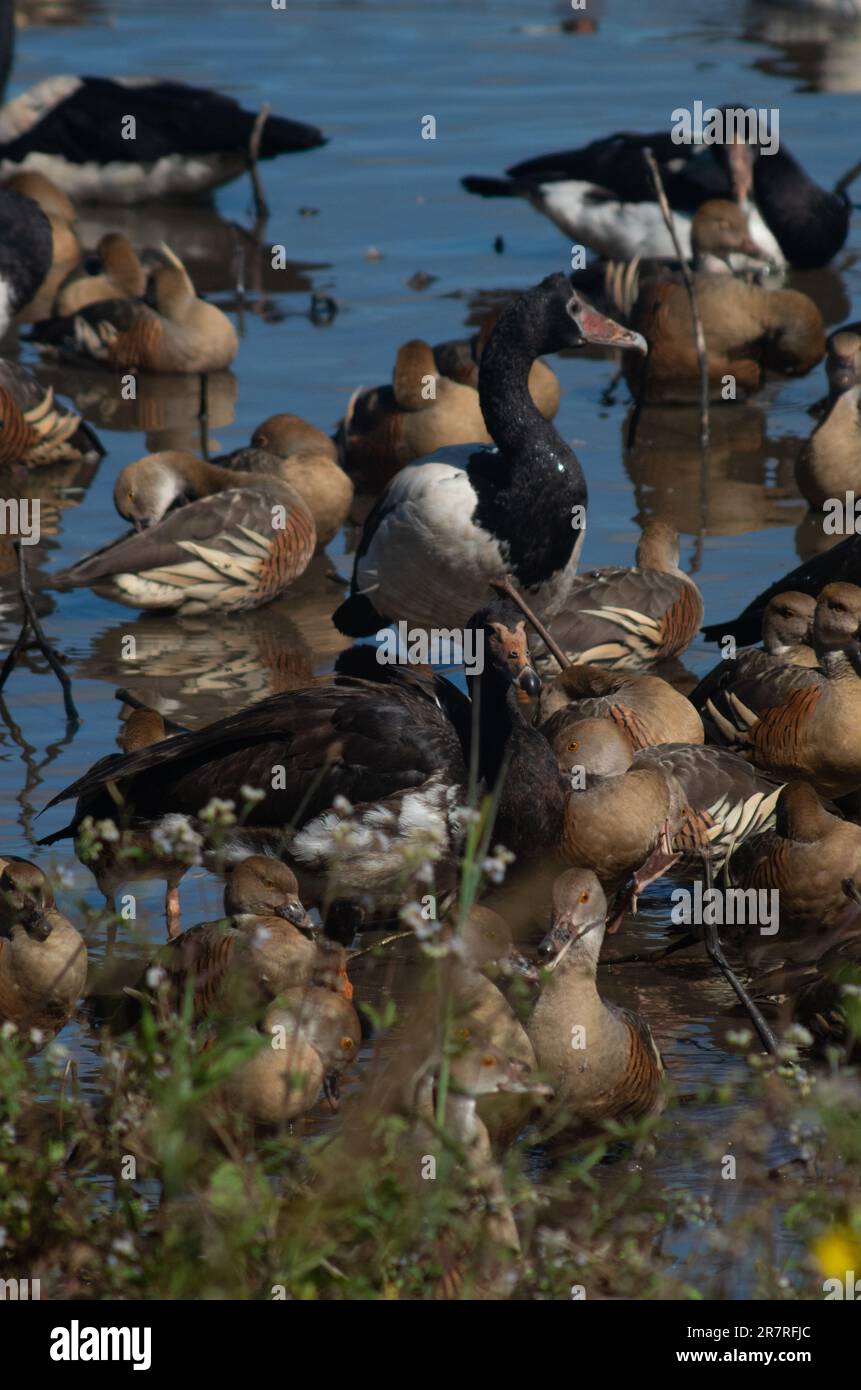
(837,1251)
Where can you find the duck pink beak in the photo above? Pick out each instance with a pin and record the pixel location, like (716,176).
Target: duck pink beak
(605,332)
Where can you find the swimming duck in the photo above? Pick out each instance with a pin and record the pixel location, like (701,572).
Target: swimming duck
(172,330)
(34,428)
(602,194)
(307,459)
(116,273)
(312,1035)
(251,956)
(794,721)
(447,525)
(749,331)
(234,543)
(460,359)
(626,619)
(26,253)
(43,958)
(808,857)
(829,465)
(645,707)
(601,1060)
(395,749)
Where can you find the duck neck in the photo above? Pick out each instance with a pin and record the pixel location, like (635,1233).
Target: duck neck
(841,663)
(531,801)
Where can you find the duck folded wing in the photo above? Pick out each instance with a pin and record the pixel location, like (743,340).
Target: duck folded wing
(625,617)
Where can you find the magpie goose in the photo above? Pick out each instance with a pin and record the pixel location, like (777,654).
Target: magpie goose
(450,523)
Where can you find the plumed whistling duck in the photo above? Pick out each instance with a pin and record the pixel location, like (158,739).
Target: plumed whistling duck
(617,1074)
(186,140)
(808,857)
(449,524)
(787,634)
(235,542)
(460,358)
(26,253)
(115,273)
(667,807)
(647,709)
(170,331)
(749,331)
(307,459)
(626,619)
(43,959)
(829,465)
(251,956)
(800,722)
(311,1037)
(602,195)
(396,750)
(36,430)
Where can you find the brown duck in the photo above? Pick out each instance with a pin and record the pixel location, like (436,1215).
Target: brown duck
(308,1039)
(35,429)
(65,246)
(749,331)
(117,274)
(829,465)
(234,543)
(787,631)
(43,959)
(171,330)
(630,618)
(257,951)
(601,1060)
(645,707)
(813,859)
(796,722)
(674,805)
(307,459)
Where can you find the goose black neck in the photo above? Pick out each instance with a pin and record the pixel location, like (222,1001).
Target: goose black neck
(531,804)
(513,420)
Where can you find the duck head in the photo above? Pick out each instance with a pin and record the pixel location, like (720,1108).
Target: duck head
(787,621)
(553,316)
(719,230)
(487,942)
(480,1068)
(594,746)
(837,617)
(145,490)
(263,887)
(26,900)
(843,365)
(579,918)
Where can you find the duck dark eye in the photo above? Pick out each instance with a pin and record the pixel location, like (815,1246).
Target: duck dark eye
(488,1061)
(573,745)
(512,656)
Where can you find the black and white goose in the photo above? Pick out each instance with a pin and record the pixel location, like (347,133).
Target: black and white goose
(451,523)
(396,748)
(26,252)
(602,195)
(184,140)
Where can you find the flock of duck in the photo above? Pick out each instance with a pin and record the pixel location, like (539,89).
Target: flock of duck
(360,795)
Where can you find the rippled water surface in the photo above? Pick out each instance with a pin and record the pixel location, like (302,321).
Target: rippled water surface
(502,81)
